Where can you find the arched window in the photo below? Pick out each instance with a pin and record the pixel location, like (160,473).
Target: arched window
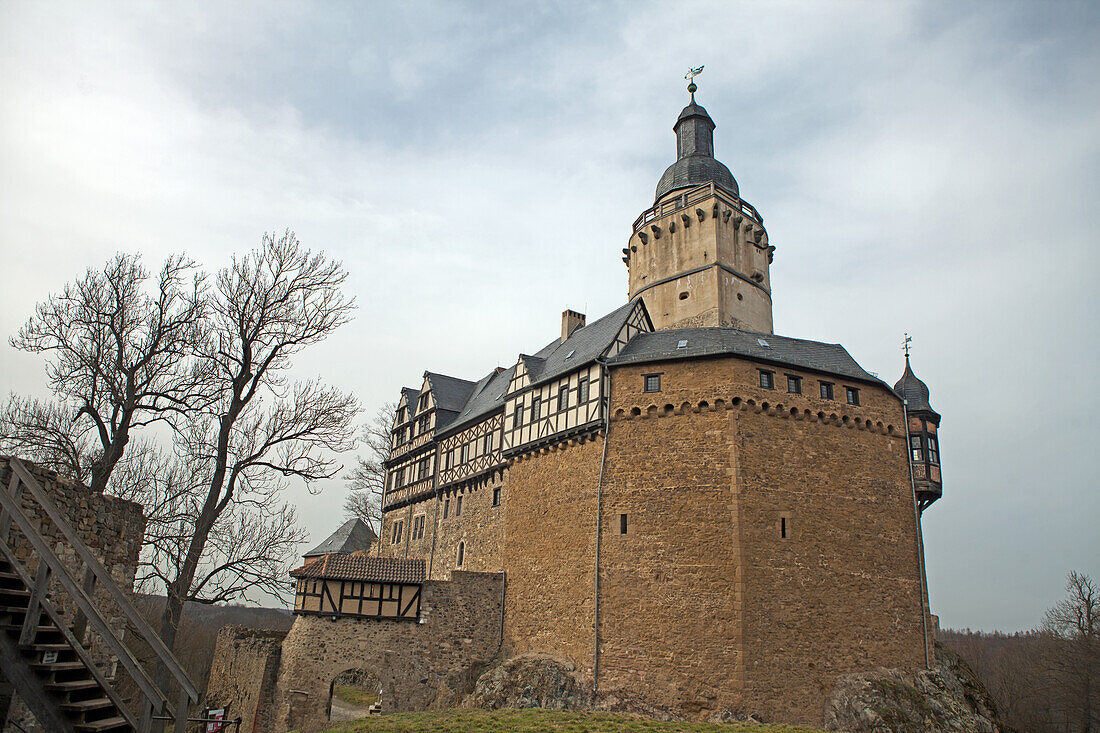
(461,553)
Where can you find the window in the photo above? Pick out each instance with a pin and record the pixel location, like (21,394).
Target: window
(400,414)
(784,528)
(399,478)
(464,455)
(422,425)
(852,394)
(422,469)
(826,390)
(652,382)
(418,527)
(767,379)
(915,449)
(536,408)
(794,384)
(397,531)
(496,496)
(563,397)
(461,553)
(933,449)
(488,443)
(446,508)
(681,344)
(517,420)
(582,390)
(622,524)
(422,403)
(458,506)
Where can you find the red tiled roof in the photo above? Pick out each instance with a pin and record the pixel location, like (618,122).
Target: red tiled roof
(360,567)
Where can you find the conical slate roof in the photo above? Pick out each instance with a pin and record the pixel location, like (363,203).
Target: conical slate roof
(913,390)
(352,536)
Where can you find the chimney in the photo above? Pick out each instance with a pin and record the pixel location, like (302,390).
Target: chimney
(570,322)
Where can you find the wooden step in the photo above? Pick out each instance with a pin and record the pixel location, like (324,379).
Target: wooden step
(15,592)
(72,685)
(106,724)
(45,668)
(82,706)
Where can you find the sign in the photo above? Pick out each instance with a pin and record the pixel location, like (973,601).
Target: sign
(49,657)
(213,717)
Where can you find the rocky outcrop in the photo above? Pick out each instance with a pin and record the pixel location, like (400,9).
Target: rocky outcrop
(948,698)
(531,681)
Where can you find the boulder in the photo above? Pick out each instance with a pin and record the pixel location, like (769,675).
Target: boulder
(531,681)
(948,698)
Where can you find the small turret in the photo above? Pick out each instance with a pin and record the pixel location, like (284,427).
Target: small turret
(923,432)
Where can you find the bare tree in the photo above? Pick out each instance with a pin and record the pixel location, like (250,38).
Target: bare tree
(1073,657)
(259,430)
(116,354)
(368,478)
(47,433)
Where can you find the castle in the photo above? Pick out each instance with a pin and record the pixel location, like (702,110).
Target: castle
(695,513)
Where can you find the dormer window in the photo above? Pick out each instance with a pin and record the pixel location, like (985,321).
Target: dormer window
(422,425)
(400,414)
(422,403)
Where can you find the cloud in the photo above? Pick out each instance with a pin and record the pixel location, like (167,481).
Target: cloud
(920,167)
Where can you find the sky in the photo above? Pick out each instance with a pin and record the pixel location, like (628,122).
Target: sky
(929,168)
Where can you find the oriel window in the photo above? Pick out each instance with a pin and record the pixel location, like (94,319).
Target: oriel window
(915,448)
(933,449)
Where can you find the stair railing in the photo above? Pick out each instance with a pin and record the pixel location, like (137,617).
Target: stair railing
(94,576)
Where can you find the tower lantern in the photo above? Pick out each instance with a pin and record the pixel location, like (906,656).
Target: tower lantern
(700,255)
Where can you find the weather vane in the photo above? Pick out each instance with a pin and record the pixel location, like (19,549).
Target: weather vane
(690,76)
(905,345)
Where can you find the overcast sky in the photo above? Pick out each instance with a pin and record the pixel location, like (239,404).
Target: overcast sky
(930,168)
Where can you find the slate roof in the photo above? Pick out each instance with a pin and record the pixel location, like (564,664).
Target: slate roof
(361,567)
(913,391)
(586,343)
(353,535)
(695,170)
(812,355)
(449,393)
(411,396)
(487,394)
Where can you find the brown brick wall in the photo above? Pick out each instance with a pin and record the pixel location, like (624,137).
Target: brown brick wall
(841,593)
(549,551)
(480,528)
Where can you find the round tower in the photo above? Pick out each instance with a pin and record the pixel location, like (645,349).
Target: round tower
(923,429)
(700,255)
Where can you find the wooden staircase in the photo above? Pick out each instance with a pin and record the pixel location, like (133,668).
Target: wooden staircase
(44,658)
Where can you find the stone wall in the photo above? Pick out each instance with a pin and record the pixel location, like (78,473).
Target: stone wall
(480,530)
(244,674)
(112,529)
(431,663)
(774,547)
(549,551)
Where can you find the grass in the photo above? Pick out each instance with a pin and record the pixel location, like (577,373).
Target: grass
(541,721)
(354,695)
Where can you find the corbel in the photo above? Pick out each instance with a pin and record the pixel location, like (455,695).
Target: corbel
(686,219)
(700,214)
(644,237)
(656,231)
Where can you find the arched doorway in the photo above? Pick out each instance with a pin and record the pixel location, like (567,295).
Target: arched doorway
(354,694)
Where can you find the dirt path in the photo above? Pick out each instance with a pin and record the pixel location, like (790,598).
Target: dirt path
(342,710)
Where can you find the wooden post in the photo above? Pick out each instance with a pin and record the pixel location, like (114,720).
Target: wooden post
(34,608)
(14,488)
(181,711)
(80,622)
(145,725)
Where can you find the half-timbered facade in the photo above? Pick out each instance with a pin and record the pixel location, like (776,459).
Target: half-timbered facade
(358,585)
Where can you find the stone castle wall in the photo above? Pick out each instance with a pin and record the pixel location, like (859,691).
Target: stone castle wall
(244,673)
(420,665)
(714,459)
(549,552)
